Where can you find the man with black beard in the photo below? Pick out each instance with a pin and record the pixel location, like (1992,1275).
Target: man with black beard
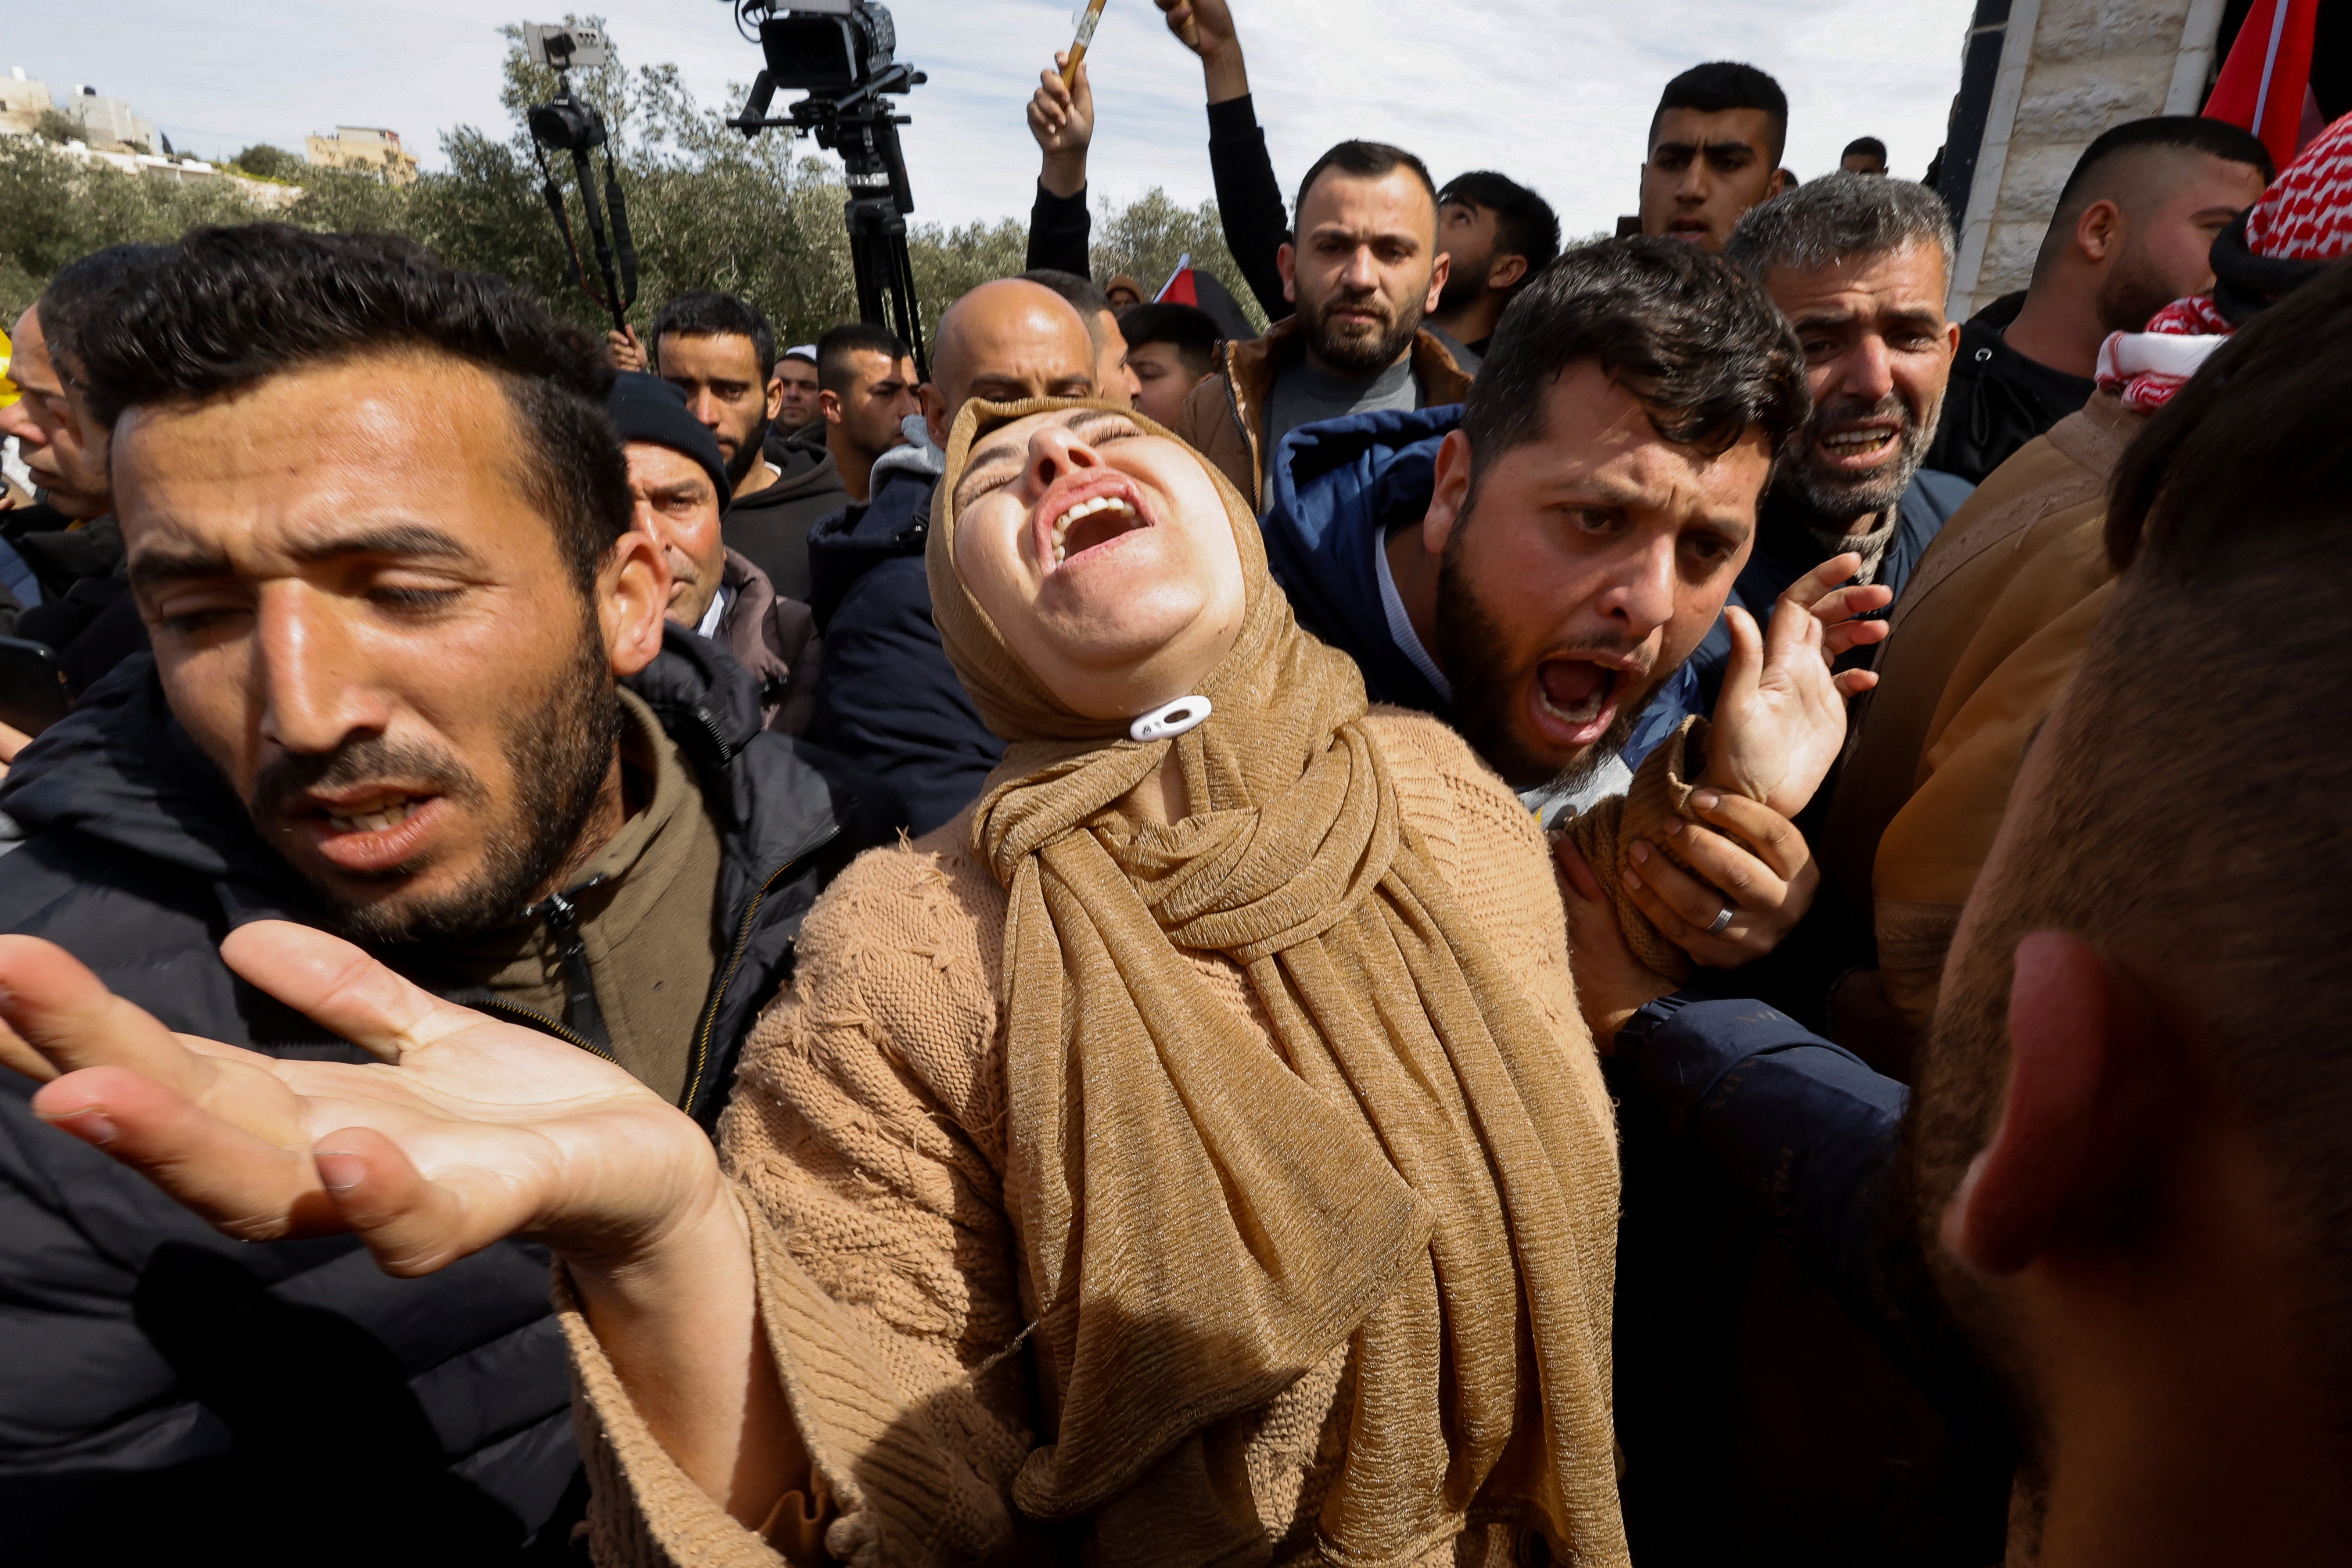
(1536,567)
(2134,227)
(720,351)
(1496,234)
(1364,270)
(409,682)
(1859,264)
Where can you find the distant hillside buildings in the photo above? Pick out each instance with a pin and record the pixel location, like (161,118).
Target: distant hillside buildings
(106,130)
(364,147)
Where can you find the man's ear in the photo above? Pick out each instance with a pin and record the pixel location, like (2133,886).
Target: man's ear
(2089,1105)
(775,397)
(1286,261)
(2098,231)
(1450,494)
(829,404)
(937,417)
(1783,182)
(1437,277)
(632,598)
(1507,272)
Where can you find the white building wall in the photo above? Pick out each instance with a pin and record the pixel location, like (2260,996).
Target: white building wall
(2092,64)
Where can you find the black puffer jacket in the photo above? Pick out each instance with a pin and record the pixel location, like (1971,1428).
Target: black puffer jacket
(164,1388)
(887,697)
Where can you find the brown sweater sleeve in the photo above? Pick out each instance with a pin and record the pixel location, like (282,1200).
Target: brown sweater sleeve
(864,1140)
(1660,792)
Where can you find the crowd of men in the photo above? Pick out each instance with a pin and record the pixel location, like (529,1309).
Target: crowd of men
(1979,1112)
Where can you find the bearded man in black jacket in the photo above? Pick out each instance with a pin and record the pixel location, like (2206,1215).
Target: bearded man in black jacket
(411,683)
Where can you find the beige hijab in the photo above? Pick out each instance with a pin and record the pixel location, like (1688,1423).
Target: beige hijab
(1206,1220)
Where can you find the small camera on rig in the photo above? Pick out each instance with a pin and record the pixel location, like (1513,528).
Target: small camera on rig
(822,45)
(566,125)
(569,125)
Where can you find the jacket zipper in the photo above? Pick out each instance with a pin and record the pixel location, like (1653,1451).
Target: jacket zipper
(735,962)
(533,1016)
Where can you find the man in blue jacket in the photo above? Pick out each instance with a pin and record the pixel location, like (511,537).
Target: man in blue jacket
(1537,567)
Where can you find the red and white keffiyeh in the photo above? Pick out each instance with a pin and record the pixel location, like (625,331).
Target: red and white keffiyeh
(2307,212)
(2146,368)
(2304,216)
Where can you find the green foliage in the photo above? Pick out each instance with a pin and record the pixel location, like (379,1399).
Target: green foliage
(1147,238)
(60,208)
(56,125)
(709,207)
(264,161)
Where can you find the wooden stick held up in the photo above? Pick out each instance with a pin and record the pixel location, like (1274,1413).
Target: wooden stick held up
(1078,46)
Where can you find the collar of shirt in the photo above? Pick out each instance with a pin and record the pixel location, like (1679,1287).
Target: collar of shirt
(713,616)
(1401,625)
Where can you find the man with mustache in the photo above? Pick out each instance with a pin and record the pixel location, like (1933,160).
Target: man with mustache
(1363,271)
(411,682)
(1538,567)
(1859,264)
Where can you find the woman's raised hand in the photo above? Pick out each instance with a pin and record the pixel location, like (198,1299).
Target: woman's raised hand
(468,1131)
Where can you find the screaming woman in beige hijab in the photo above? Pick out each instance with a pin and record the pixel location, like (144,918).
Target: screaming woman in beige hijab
(1191,1154)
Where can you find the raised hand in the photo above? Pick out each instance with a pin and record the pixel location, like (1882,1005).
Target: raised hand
(1206,27)
(468,1129)
(624,349)
(1781,720)
(1062,119)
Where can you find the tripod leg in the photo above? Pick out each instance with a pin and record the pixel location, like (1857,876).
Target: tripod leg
(612,301)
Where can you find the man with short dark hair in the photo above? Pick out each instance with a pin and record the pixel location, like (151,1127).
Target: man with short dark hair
(866,387)
(1713,151)
(1498,234)
(1172,349)
(887,698)
(410,683)
(798,409)
(1863,155)
(1537,568)
(721,353)
(1859,264)
(1114,378)
(2135,223)
(676,478)
(1364,271)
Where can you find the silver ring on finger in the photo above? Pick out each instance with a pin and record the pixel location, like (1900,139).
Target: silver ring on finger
(1722,922)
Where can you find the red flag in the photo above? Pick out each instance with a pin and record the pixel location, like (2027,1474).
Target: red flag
(1179,290)
(2263,82)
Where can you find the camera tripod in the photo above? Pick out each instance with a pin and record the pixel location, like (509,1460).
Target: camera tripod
(862,126)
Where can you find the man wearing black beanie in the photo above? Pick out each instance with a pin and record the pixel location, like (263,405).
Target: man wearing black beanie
(679,481)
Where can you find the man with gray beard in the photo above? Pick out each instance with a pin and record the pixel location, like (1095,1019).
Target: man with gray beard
(1859,264)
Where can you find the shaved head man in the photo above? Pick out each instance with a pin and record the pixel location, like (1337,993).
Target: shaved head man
(2131,233)
(1005,341)
(888,697)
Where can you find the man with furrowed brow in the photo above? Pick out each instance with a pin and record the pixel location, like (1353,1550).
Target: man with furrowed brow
(411,682)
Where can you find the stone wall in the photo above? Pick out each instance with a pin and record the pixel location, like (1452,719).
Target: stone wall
(2092,64)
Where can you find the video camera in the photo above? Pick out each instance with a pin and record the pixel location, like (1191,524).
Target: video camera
(569,125)
(842,53)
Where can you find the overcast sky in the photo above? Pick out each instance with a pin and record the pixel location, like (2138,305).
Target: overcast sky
(1556,93)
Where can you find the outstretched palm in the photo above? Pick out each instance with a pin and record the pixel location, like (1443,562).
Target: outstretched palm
(1781,720)
(467,1131)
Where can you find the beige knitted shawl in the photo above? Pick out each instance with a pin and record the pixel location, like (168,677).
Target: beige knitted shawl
(1204,1220)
